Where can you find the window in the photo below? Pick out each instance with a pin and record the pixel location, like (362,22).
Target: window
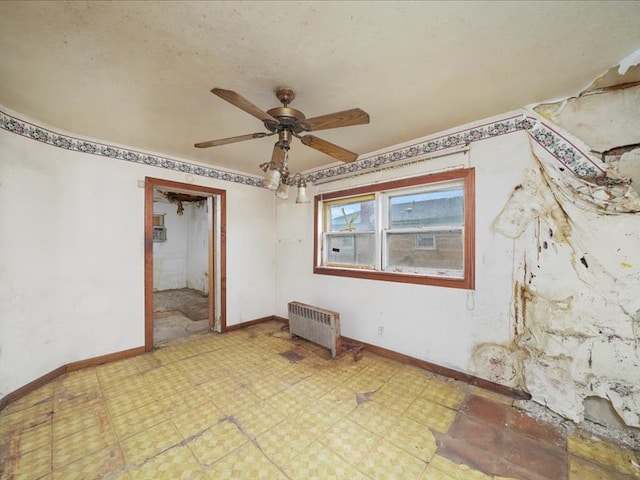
(159,230)
(419,230)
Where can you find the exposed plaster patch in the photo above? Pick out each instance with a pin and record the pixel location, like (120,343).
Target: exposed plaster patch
(499,364)
(604,118)
(628,62)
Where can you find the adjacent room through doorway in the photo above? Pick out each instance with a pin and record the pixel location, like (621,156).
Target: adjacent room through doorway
(184,259)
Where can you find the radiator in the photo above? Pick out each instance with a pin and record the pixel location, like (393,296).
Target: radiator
(316,325)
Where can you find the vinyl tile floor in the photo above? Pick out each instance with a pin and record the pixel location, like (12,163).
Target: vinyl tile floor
(254,404)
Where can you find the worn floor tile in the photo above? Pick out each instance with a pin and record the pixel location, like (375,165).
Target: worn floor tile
(176,463)
(385,461)
(77,445)
(441,468)
(149,443)
(246,463)
(95,465)
(254,404)
(431,414)
(604,453)
(217,442)
(413,438)
(318,462)
(349,440)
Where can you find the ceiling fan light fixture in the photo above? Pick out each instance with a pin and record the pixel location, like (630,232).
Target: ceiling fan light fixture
(283,191)
(302,191)
(272,179)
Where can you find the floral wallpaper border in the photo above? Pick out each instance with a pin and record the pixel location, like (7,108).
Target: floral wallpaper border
(569,155)
(29,130)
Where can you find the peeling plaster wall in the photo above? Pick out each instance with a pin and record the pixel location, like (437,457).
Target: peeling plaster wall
(578,278)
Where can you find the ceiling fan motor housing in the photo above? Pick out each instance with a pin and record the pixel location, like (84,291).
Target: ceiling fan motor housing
(288,119)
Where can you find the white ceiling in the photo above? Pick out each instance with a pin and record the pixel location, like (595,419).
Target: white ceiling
(140,73)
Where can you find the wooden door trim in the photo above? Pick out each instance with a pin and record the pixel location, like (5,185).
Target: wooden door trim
(150,184)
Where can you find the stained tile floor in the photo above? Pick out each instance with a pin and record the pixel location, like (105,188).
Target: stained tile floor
(253,404)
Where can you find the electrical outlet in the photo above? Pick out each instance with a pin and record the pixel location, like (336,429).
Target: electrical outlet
(380,331)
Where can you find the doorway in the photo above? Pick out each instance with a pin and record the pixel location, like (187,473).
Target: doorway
(186,275)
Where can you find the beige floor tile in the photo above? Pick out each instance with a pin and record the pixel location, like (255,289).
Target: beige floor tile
(604,453)
(79,444)
(245,463)
(318,462)
(441,468)
(580,469)
(413,438)
(259,418)
(143,418)
(442,392)
(149,443)
(394,398)
(32,465)
(174,464)
(217,442)
(287,433)
(35,437)
(41,397)
(289,401)
(95,465)
(81,418)
(349,440)
(341,399)
(194,421)
(385,461)
(374,417)
(266,386)
(431,414)
(235,401)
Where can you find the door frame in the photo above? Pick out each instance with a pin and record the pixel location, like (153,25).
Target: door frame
(217,248)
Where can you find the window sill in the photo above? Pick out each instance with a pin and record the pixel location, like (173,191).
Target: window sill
(462,283)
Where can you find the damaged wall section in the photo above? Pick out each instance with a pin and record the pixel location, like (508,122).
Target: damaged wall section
(577,266)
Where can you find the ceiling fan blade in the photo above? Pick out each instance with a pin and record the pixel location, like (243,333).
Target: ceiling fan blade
(277,157)
(243,104)
(223,141)
(330,149)
(346,118)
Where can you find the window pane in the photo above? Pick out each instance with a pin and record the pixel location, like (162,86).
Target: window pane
(427,209)
(436,250)
(351,249)
(358,216)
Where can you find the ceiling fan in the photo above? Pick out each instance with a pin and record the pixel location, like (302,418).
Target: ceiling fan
(288,122)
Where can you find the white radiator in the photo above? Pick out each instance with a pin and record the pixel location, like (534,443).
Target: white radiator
(316,325)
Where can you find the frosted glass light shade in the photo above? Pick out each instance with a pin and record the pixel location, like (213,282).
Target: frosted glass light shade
(283,191)
(272,179)
(302,195)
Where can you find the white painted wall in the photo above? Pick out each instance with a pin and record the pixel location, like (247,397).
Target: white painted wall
(170,257)
(440,325)
(540,318)
(197,242)
(182,261)
(72,256)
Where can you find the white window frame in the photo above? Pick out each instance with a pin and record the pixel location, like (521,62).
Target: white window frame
(383,193)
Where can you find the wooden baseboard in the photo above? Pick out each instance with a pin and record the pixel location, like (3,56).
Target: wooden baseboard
(240,326)
(70,367)
(444,371)
(111,357)
(383,352)
(31,386)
